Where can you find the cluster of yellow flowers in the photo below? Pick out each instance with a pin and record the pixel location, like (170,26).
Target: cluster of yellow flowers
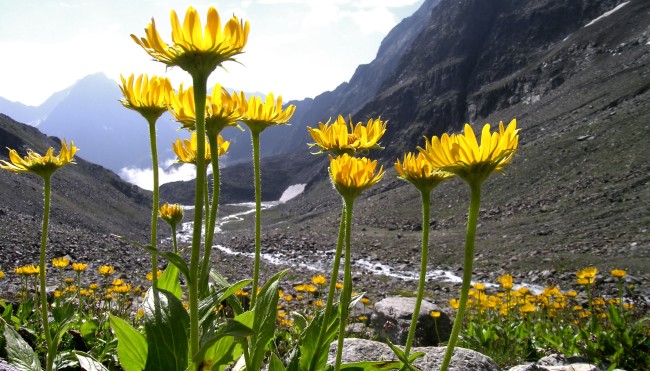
(551,302)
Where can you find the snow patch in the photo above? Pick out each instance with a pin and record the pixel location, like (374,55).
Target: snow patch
(292,192)
(606,14)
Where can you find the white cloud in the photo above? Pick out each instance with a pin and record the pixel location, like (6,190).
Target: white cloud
(143,178)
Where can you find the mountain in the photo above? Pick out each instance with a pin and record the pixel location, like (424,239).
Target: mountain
(105,131)
(346,99)
(89,203)
(576,76)
(32,115)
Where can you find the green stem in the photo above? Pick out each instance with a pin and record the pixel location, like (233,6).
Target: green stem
(472,219)
(332,289)
(51,348)
(200,81)
(205,268)
(347,283)
(255,135)
(424,258)
(154,207)
(174,240)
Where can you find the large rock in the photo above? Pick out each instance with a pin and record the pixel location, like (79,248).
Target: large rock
(392,318)
(357,350)
(558,362)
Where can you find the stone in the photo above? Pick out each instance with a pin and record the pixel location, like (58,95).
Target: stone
(392,317)
(357,350)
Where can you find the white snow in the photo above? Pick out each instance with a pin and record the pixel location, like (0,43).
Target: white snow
(292,192)
(606,14)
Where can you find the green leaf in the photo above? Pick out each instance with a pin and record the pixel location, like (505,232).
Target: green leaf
(131,345)
(166,323)
(406,362)
(206,305)
(232,328)
(266,312)
(88,363)
(17,352)
(222,353)
(370,365)
(63,312)
(309,340)
(89,329)
(169,281)
(275,364)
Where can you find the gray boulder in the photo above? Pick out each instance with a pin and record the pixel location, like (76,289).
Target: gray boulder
(557,362)
(357,350)
(392,317)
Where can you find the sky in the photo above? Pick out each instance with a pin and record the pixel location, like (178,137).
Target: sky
(296,48)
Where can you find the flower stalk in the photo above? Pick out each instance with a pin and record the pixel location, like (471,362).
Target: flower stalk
(347,282)
(51,349)
(255,136)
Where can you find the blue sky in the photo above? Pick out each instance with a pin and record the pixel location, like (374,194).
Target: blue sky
(296,48)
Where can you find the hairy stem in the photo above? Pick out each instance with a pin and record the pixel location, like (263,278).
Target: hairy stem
(212,220)
(255,135)
(347,283)
(472,219)
(51,348)
(154,206)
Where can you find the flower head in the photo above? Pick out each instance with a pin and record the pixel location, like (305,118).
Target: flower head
(338,139)
(186,149)
(150,275)
(259,116)
(435,314)
(43,166)
(419,172)
(221,108)
(106,270)
(351,175)
(587,276)
(79,267)
(505,281)
(172,214)
(319,280)
(148,96)
(27,270)
(618,273)
(195,50)
(61,262)
(462,155)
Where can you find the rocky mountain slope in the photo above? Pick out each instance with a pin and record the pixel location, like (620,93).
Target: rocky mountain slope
(89,203)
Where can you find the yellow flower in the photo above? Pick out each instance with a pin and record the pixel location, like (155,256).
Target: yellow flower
(148,96)
(365,301)
(69,280)
(43,166)
(572,294)
(93,286)
(505,281)
(221,108)
(351,175)
(618,273)
(195,50)
(172,214)
(310,288)
(288,297)
(362,318)
(479,286)
(122,289)
(259,116)
(339,286)
(319,303)
(419,172)
(186,149)
(454,303)
(79,267)
(461,154)
(435,314)
(587,275)
(150,275)
(106,270)
(61,262)
(527,308)
(336,138)
(118,282)
(319,280)
(2,275)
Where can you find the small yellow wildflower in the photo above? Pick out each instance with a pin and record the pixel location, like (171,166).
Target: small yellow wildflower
(319,280)
(342,137)
(150,275)
(172,214)
(69,280)
(288,298)
(435,314)
(454,303)
(618,273)
(339,286)
(93,286)
(572,294)
(351,175)
(479,286)
(43,166)
(106,270)
(527,308)
(79,267)
(61,262)
(118,282)
(2,275)
(362,318)
(365,301)
(319,303)
(505,281)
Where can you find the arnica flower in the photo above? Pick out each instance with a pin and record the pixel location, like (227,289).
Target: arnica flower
(260,115)
(61,262)
(106,270)
(338,139)
(186,149)
(148,96)
(462,155)
(351,175)
(150,275)
(79,267)
(221,108)
(2,275)
(172,214)
(505,281)
(319,280)
(193,49)
(587,275)
(478,286)
(435,314)
(43,166)
(419,172)
(618,273)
